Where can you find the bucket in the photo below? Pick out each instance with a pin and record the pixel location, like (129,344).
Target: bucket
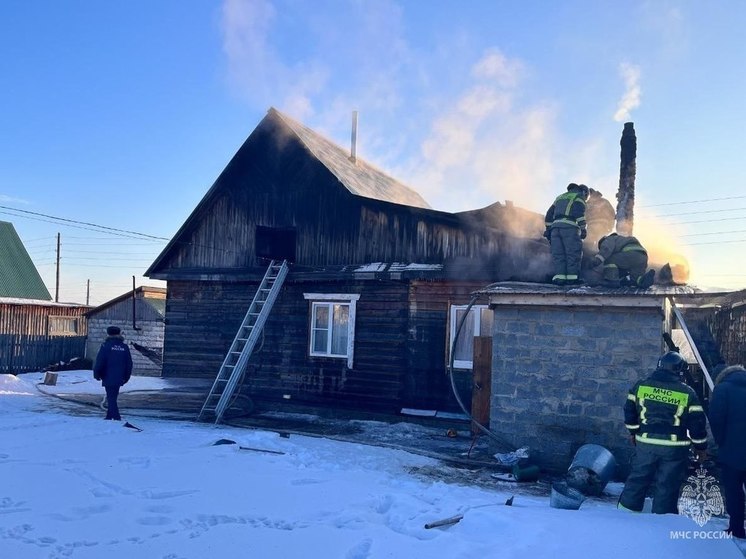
(565,497)
(591,469)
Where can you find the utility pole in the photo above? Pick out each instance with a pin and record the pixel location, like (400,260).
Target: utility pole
(87,292)
(57,280)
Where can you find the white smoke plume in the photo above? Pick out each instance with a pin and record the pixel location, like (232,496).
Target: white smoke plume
(631,99)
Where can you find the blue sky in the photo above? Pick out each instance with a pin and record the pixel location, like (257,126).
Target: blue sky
(123,113)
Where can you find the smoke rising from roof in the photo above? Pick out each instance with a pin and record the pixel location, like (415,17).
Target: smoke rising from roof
(630,100)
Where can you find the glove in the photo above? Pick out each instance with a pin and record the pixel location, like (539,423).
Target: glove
(547,234)
(583,233)
(597,262)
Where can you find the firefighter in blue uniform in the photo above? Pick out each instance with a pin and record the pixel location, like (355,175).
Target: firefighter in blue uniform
(664,418)
(566,229)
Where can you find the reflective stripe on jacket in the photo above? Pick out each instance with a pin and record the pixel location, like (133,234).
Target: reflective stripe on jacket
(662,410)
(568,209)
(617,243)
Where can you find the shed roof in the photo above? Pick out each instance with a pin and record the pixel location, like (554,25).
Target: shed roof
(524,293)
(359,177)
(153,296)
(19,277)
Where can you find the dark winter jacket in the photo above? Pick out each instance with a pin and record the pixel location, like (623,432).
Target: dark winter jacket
(612,244)
(113,363)
(568,210)
(662,410)
(728,417)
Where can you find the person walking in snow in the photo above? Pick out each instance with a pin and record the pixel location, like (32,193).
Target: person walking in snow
(728,423)
(664,418)
(113,368)
(566,229)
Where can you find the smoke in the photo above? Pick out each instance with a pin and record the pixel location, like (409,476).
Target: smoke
(12,200)
(663,245)
(487,144)
(631,99)
(255,67)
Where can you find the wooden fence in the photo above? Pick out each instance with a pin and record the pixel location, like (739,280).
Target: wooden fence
(21,353)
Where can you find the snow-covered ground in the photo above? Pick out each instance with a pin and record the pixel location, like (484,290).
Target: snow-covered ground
(74,485)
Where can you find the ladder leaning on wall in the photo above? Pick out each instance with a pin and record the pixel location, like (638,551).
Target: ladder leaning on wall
(234,364)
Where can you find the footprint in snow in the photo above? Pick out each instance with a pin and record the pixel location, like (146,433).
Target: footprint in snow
(361,550)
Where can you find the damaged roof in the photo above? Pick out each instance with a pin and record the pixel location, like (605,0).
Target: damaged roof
(359,177)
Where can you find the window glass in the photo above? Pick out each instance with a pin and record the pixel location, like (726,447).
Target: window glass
(465,344)
(340,329)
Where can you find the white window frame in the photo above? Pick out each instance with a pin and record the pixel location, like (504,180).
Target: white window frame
(349,299)
(63,325)
(476,311)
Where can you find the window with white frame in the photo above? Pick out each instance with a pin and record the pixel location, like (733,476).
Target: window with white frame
(64,325)
(477,323)
(332,327)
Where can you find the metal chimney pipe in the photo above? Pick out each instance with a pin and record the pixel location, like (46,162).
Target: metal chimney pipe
(353,140)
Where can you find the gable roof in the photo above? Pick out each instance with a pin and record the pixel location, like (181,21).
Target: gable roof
(19,277)
(359,177)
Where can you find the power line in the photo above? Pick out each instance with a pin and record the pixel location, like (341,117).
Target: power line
(85,223)
(693,202)
(699,212)
(714,243)
(714,233)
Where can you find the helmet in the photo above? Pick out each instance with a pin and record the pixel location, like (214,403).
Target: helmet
(602,239)
(674,362)
(572,186)
(583,190)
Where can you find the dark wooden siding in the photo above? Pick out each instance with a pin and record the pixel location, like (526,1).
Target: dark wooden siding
(728,326)
(278,183)
(26,343)
(429,306)
(399,343)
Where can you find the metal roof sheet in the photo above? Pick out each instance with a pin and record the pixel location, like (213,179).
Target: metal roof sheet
(19,277)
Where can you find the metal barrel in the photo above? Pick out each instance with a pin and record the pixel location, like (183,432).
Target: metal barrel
(565,497)
(591,469)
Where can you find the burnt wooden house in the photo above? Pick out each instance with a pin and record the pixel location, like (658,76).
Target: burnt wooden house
(376,284)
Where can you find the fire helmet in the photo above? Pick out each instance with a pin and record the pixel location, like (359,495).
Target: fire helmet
(581,188)
(674,362)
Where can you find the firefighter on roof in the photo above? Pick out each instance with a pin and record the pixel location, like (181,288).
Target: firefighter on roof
(664,418)
(566,229)
(624,262)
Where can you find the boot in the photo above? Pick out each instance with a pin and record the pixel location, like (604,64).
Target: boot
(646,280)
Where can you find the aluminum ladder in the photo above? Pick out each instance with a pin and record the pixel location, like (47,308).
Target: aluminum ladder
(238,355)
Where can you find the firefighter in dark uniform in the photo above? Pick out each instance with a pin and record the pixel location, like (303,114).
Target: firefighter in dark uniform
(664,417)
(566,229)
(624,262)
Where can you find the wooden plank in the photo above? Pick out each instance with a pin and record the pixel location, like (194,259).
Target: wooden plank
(482,380)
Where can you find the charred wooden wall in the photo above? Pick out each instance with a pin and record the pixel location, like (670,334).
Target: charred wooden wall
(203,318)
(279,184)
(728,327)
(428,338)
(400,342)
